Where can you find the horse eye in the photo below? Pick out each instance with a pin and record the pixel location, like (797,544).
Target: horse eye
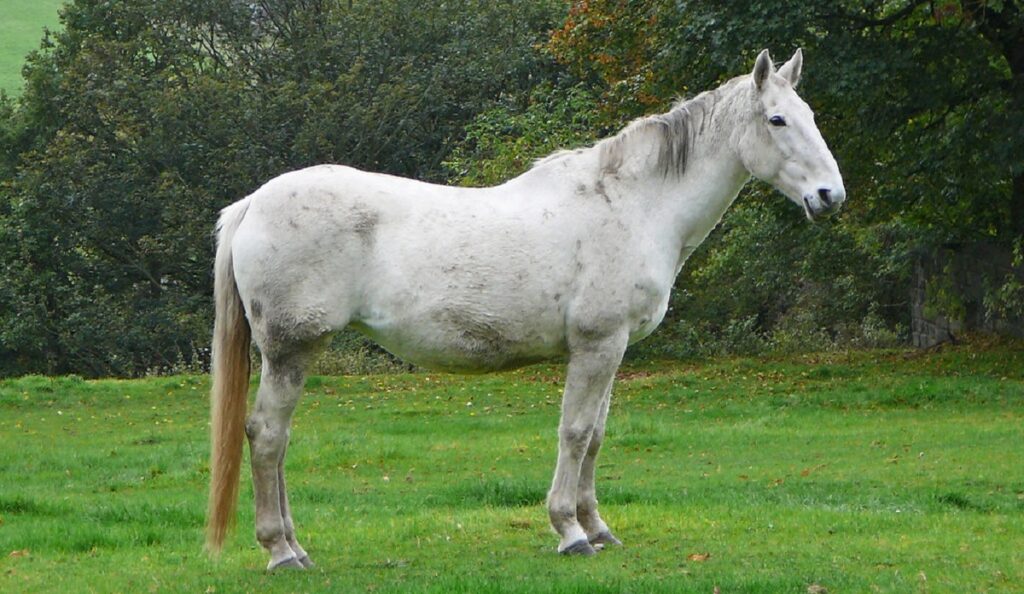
(777,120)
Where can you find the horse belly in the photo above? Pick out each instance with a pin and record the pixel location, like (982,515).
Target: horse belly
(462,340)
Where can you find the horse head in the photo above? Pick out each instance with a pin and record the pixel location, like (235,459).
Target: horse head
(780,144)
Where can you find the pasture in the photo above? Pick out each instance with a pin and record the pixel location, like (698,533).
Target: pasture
(21,28)
(846,472)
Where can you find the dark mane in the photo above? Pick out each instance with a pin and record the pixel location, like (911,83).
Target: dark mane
(674,132)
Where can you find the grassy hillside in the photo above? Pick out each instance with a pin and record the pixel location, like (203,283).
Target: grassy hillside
(21,28)
(876,472)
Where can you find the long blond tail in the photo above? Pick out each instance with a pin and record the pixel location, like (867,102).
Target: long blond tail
(229,396)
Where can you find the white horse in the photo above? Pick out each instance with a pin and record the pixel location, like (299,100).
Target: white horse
(575,259)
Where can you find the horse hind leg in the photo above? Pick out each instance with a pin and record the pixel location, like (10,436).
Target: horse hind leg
(586,496)
(286,518)
(268,431)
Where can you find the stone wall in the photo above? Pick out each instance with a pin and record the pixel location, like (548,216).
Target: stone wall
(948,293)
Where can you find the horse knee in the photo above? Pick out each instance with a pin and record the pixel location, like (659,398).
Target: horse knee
(561,514)
(265,437)
(576,438)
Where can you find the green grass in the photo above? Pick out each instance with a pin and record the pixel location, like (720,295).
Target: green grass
(857,472)
(21,29)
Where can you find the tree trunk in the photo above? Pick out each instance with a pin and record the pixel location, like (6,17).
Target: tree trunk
(1017,206)
(1003,27)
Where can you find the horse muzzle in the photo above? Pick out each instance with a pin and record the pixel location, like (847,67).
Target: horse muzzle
(824,203)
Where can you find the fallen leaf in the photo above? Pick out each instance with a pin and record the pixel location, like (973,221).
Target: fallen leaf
(21,553)
(817,589)
(698,557)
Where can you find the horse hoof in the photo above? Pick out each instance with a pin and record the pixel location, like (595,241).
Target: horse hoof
(306,561)
(580,547)
(605,538)
(289,563)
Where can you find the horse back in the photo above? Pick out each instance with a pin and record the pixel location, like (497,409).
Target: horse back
(450,278)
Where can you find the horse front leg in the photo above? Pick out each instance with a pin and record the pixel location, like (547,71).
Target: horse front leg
(589,375)
(268,431)
(586,496)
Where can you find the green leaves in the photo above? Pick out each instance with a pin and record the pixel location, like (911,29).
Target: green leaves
(141,120)
(912,96)
(922,104)
(505,141)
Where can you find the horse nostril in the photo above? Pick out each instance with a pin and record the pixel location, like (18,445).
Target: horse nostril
(823,194)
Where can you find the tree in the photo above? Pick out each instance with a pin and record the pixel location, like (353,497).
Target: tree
(921,102)
(140,120)
(507,139)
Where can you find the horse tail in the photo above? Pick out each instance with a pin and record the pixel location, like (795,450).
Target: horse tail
(230,367)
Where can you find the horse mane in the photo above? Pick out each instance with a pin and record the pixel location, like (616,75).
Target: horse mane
(673,132)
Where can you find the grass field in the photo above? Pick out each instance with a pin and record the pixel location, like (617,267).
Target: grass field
(21,28)
(863,472)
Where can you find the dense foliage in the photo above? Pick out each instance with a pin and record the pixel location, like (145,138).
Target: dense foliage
(923,101)
(139,120)
(923,105)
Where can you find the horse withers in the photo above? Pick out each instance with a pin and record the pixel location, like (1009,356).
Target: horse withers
(573,259)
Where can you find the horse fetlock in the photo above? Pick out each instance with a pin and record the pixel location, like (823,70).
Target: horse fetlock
(281,554)
(562,517)
(568,529)
(271,535)
(592,524)
(587,516)
(294,545)
(561,514)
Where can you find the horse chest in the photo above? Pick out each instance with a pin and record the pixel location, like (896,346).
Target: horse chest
(647,307)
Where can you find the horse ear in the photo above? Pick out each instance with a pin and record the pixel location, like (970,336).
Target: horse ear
(762,68)
(791,70)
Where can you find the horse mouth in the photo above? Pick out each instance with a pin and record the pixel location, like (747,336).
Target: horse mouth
(807,210)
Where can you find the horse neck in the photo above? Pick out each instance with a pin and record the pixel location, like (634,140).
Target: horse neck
(697,200)
(683,209)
